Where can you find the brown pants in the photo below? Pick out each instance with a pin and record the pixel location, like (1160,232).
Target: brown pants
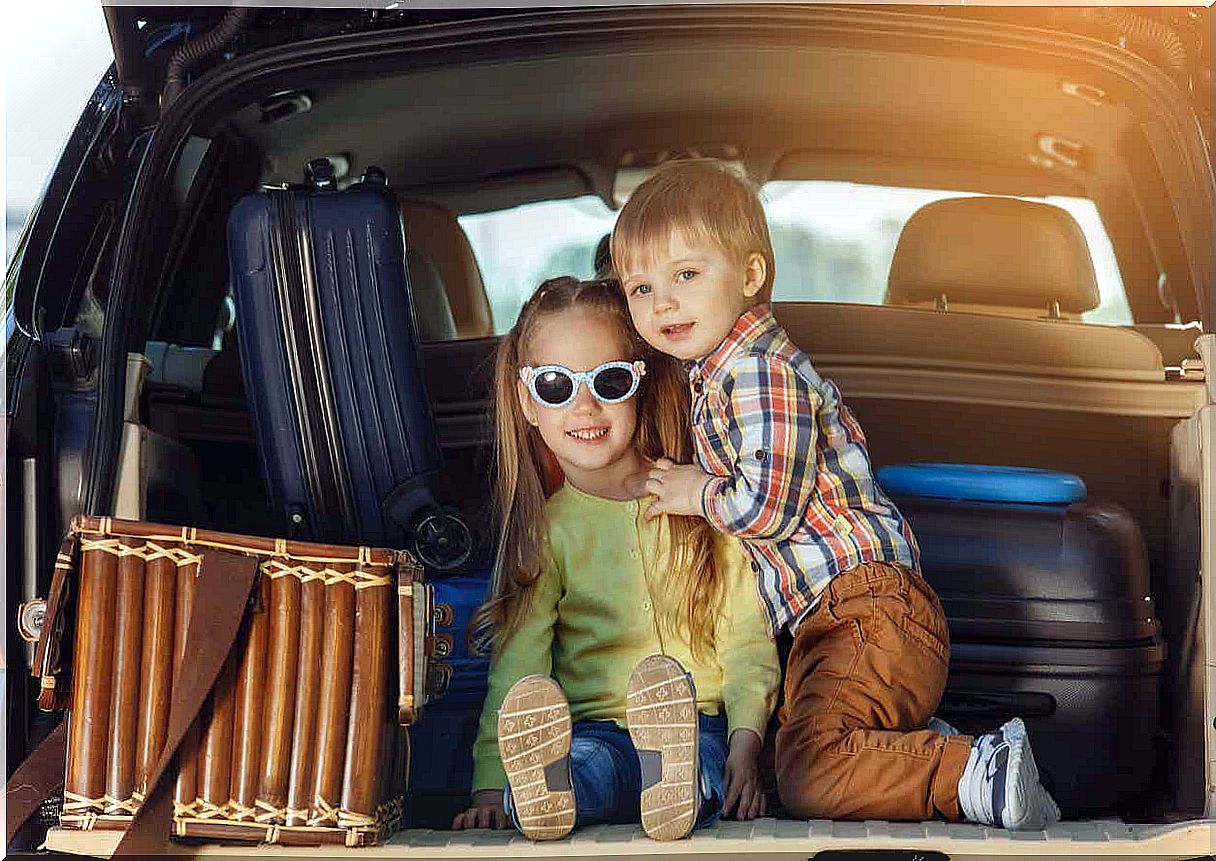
(865,674)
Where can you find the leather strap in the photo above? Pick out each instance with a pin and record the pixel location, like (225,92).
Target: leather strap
(41,774)
(48,654)
(221,594)
(35,780)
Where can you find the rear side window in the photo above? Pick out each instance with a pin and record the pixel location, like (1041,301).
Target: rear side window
(833,242)
(518,248)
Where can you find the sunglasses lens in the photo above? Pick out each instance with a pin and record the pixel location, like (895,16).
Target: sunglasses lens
(553,387)
(612,384)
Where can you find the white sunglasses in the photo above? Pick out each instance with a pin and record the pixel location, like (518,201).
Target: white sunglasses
(610,383)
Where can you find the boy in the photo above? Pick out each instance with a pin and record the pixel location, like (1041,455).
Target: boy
(784,467)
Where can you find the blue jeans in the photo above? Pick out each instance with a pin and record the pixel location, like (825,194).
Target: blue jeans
(607,778)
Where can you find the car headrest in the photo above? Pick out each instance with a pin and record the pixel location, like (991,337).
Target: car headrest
(993,251)
(432,312)
(434,232)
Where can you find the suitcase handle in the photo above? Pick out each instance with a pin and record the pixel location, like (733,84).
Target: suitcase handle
(965,704)
(319,174)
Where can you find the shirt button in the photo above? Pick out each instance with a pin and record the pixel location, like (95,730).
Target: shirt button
(761,455)
(646,605)
(697,386)
(635,553)
(633,505)
(755,567)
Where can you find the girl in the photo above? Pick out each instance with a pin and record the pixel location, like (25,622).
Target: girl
(595,610)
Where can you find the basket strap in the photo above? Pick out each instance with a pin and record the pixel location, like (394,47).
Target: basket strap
(48,654)
(35,780)
(41,774)
(225,582)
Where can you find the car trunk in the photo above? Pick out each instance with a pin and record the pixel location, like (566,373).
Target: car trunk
(925,386)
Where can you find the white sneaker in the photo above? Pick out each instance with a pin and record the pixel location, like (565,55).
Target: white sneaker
(1000,785)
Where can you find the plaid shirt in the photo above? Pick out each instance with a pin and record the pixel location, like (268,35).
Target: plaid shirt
(795,481)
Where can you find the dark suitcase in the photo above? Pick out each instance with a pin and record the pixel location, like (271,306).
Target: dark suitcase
(1092,713)
(330,361)
(1051,619)
(441,764)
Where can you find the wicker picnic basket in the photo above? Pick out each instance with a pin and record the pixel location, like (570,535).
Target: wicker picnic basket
(300,739)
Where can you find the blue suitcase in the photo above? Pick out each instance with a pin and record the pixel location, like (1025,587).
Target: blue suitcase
(330,361)
(441,742)
(458,667)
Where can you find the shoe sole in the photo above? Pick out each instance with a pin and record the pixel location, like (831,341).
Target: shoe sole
(661,710)
(534,743)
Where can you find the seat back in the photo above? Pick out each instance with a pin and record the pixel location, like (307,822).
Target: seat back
(440,251)
(432,311)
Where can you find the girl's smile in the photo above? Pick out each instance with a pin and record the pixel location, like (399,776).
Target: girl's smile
(590,435)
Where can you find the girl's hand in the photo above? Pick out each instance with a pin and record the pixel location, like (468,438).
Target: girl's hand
(677,486)
(744,795)
(485,811)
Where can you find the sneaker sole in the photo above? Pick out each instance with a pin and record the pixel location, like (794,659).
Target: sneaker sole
(661,710)
(534,743)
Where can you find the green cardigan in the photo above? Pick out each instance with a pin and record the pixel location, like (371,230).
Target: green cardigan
(592,619)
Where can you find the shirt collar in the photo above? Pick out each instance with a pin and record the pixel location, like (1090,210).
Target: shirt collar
(747,329)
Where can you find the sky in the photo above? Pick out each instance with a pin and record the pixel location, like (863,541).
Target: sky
(54,55)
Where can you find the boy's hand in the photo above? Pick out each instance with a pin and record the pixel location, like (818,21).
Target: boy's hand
(485,811)
(678,488)
(744,795)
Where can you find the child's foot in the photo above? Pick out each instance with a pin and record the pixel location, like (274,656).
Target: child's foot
(534,742)
(1000,785)
(661,709)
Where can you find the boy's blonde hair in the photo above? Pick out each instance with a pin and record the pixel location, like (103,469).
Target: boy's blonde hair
(703,198)
(690,600)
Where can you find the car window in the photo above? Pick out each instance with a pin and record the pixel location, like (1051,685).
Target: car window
(518,248)
(832,242)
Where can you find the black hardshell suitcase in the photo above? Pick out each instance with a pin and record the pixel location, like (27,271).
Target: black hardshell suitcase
(1092,712)
(1051,619)
(330,362)
(1041,573)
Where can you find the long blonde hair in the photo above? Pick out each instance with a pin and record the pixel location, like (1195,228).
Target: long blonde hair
(689,603)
